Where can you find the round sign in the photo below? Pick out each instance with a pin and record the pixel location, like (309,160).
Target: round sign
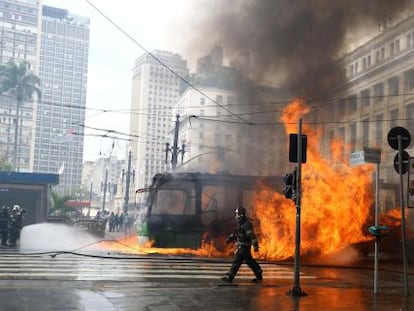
(393,137)
(405,159)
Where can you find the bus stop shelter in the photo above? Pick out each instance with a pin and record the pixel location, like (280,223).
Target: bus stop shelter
(29,190)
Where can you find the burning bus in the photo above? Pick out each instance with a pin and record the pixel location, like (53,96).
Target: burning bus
(184,209)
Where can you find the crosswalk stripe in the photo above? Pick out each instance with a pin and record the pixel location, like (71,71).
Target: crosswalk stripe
(71,267)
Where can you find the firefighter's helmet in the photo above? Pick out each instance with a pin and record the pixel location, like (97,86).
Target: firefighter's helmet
(240,213)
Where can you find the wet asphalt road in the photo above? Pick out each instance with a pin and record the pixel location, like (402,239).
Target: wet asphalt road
(163,283)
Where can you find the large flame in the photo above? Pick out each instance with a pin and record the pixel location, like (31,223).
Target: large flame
(335,205)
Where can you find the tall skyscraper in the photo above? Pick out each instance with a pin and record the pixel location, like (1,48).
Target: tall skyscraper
(155,90)
(61,113)
(19,41)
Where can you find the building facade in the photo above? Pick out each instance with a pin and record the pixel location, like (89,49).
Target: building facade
(19,41)
(378,95)
(60,115)
(223,127)
(155,91)
(93,178)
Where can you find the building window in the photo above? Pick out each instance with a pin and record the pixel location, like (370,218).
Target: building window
(365,100)
(378,129)
(410,117)
(393,86)
(378,92)
(409,41)
(202,101)
(353,134)
(365,132)
(352,104)
(409,79)
(394,118)
(341,108)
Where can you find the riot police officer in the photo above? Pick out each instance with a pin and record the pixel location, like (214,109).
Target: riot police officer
(245,238)
(4,221)
(15,224)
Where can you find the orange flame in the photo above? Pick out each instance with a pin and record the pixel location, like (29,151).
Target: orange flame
(335,204)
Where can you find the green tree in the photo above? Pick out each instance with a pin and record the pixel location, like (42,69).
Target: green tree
(5,165)
(59,206)
(19,79)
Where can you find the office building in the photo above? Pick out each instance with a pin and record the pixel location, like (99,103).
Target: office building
(19,41)
(155,90)
(377,95)
(60,115)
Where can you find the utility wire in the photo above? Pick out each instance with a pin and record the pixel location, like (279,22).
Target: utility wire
(165,65)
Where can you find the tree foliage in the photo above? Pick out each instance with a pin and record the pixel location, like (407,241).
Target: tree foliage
(58,204)
(5,165)
(20,78)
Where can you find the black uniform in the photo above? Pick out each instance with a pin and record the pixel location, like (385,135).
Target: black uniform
(244,237)
(4,221)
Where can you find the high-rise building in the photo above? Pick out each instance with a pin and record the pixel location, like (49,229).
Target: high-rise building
(19,41)
(155,90)
(60,115)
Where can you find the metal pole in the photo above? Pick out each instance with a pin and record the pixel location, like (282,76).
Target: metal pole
(175,144)
(376,252)
(296,290)
(400,160)
(90,199)
(127,181)
(104,194)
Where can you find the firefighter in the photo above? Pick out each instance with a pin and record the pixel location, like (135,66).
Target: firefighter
(245,238)
(4,220)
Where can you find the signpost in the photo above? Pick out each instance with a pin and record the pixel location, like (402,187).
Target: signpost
(399,138)
(371,155)
(301,156)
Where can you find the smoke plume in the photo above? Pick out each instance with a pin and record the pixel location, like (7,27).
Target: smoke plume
(291,44)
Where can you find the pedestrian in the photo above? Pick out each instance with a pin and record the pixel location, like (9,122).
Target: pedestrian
(112,222)
(244,238)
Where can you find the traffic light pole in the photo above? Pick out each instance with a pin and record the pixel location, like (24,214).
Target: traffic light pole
(404,248)
(296,290)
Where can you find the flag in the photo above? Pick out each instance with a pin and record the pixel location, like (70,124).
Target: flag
(61,169)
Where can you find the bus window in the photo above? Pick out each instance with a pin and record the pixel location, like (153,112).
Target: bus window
(173,202)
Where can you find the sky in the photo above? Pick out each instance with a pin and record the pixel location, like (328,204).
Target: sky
(112,55)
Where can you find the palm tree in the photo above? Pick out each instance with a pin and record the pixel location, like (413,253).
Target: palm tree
(20,79)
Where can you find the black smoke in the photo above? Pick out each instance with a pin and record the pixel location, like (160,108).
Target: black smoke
(293,44)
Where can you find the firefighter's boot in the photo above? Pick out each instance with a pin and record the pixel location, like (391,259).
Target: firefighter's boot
(259,276)
(227,278)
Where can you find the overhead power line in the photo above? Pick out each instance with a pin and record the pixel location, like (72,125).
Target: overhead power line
(164,64)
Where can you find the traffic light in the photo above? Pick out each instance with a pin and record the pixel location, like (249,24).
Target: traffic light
(290,188)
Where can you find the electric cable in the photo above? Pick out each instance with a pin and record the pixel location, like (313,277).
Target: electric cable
(164,64)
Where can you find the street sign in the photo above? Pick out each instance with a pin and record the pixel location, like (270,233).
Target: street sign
(368,155)
(393,137)
(357,158)
(405,159)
